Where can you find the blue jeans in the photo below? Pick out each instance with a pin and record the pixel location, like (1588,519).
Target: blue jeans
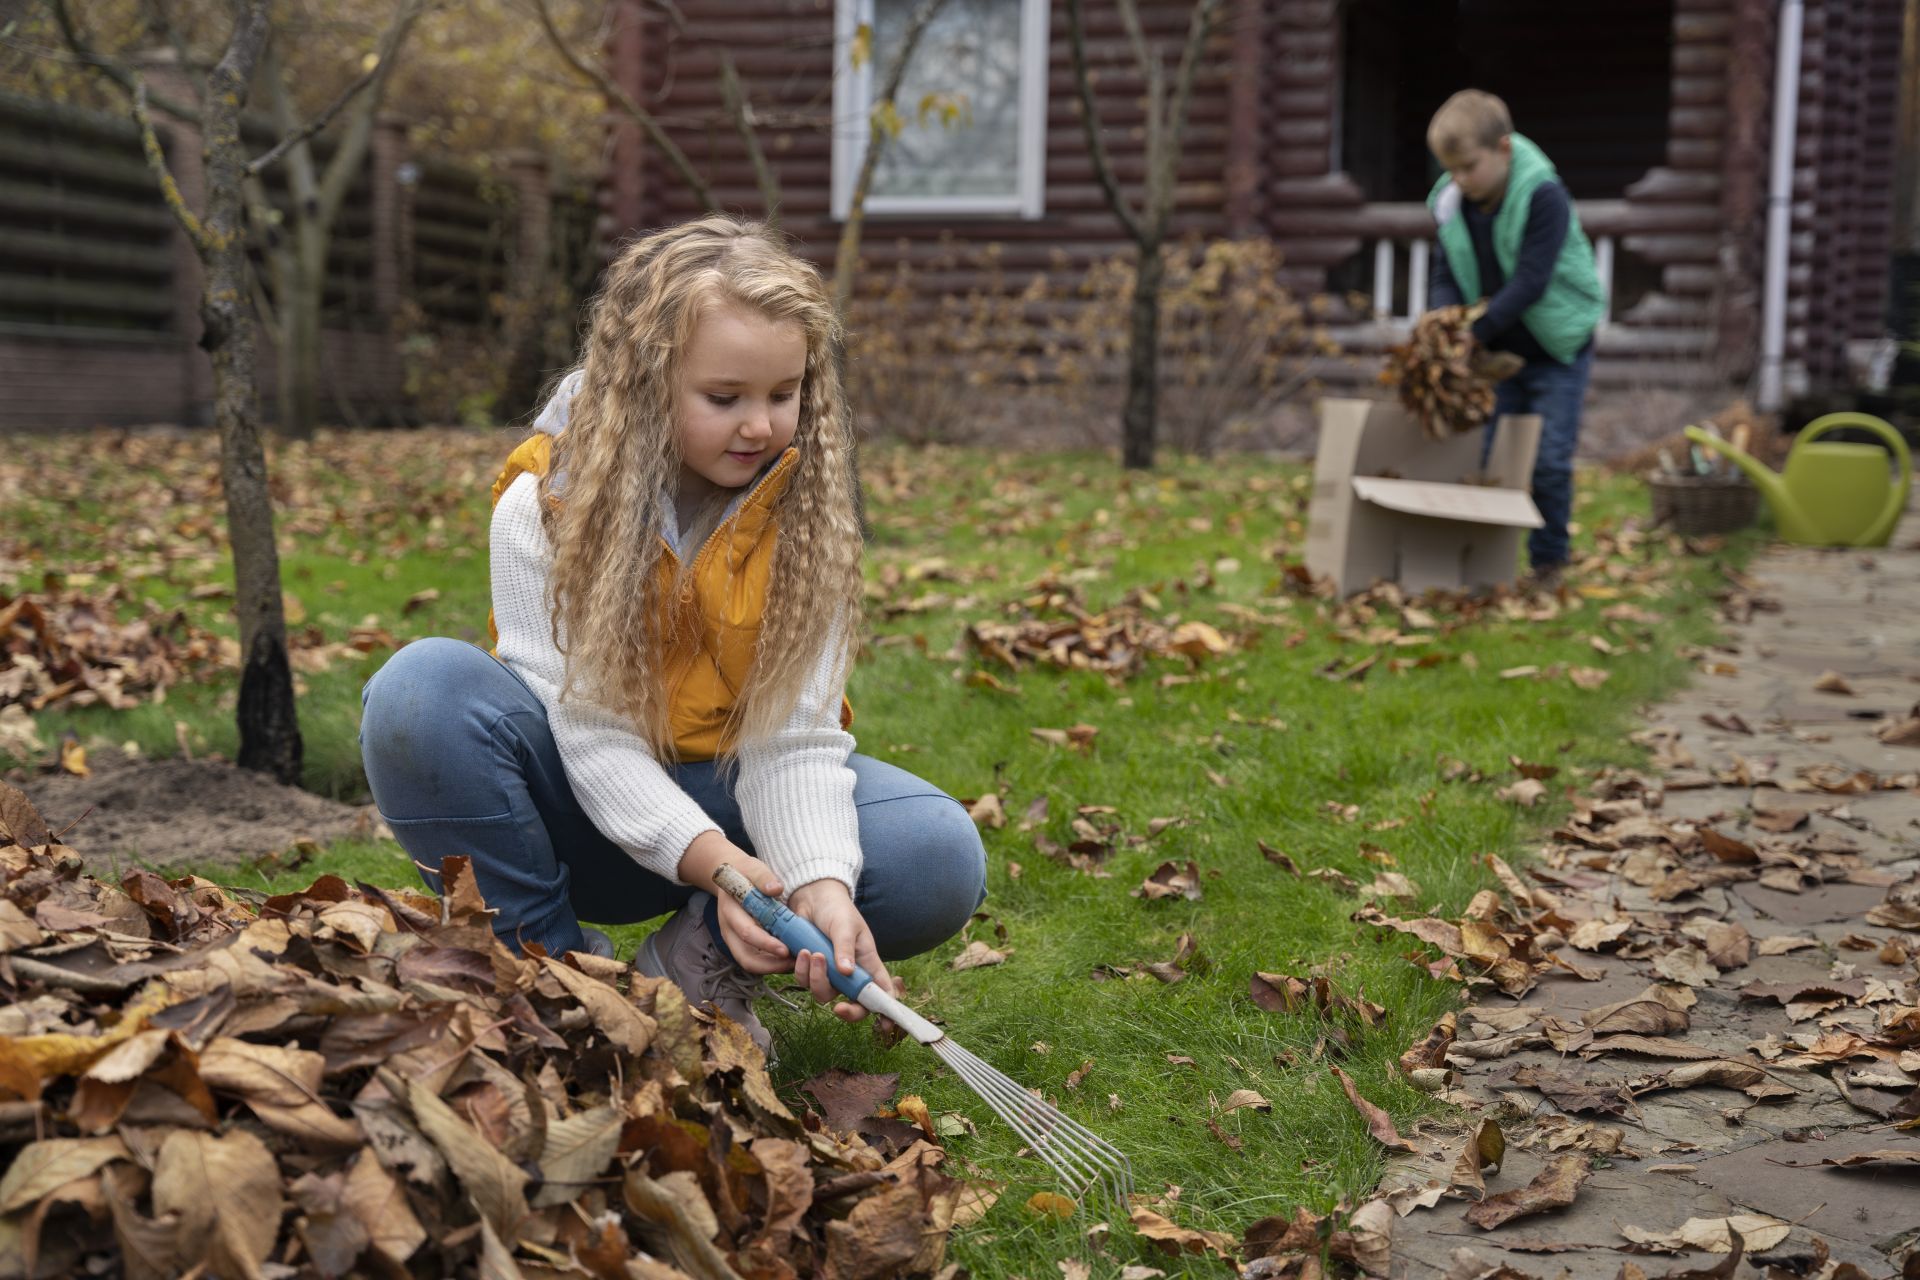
(1556,392)
(461,761)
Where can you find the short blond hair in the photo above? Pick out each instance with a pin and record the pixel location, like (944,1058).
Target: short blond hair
(1470,118)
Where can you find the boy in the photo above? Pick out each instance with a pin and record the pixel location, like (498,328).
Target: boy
(1509,233)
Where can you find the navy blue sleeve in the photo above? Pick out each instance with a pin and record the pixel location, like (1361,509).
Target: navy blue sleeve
(1442,289)
(1548,218)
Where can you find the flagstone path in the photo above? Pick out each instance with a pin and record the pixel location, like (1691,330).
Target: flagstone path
(1711,1152)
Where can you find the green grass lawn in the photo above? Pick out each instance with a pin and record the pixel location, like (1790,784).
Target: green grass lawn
(1257,745)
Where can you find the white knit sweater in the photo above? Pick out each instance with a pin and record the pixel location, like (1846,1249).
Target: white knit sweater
(795,791)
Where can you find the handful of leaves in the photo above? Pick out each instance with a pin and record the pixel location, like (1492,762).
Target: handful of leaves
(1445,380)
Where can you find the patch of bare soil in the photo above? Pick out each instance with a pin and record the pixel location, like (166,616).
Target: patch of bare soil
(167,812)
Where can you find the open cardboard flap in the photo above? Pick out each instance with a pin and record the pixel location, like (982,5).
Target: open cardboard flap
(1473,503)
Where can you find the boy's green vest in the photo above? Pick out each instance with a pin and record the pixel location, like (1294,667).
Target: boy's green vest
(1564,317)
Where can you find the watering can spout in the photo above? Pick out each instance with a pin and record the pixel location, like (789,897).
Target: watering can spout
(1765,479)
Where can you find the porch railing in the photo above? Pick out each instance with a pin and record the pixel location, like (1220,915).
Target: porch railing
(1401,240)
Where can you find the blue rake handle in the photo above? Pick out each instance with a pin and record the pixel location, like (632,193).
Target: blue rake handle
(798,932)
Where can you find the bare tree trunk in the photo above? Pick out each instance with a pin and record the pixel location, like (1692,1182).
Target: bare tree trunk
(300,310)
(1147,225)
(846,259)
(1140,418)
(269,725)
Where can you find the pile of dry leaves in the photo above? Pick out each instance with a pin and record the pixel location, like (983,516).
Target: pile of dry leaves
(65,646)
(349,1080)
(1053,627)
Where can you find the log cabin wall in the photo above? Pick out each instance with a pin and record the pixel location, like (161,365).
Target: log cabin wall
(1843,191)
(784,51)
(1666,152)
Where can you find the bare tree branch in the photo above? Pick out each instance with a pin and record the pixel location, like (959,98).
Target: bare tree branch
(345,166)
(267,159)
(174,39)
(157,161)
(1137,37)
(112,69)
(741,110)
(1201,26)
(1090,118)
(846,257)
(627,103)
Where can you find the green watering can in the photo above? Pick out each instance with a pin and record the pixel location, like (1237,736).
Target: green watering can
(1831,494)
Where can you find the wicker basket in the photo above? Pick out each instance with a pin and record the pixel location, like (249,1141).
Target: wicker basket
(1703,504)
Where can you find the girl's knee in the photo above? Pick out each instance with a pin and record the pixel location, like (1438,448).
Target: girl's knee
(948,881)
(430,711)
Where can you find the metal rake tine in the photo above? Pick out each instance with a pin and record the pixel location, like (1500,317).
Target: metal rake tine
(1095,1151)
(1096,1162)
(1004,1097)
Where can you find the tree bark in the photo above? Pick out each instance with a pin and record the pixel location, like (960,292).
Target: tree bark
(1147,226)
(846,258)
(269,725)
(1139,419)
(300,328)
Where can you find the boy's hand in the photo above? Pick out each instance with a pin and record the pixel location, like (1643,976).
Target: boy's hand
(828,904)
(1495,366)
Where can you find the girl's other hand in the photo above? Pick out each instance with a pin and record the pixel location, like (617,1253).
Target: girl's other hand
(754,949)
(828,904)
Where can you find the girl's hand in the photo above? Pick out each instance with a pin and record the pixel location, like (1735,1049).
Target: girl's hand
(828,904)
(754,949)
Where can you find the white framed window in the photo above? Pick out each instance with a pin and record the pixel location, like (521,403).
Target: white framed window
(984,60)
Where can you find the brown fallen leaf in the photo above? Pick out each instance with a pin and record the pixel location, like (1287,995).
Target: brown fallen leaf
(1245,1098)
(1554,1188)
(1833,682)
(1171,880)
(1727,849)
(1526,793)
(1379,1124)
(1714,1235)
(1902,731)
(988,811)
(1079,737)
(1574,1094)
(1177,1240)
(1485,1148)
(1050,1204)
(1432,1052)
(1881,1156)
(976,955)
(1278,858)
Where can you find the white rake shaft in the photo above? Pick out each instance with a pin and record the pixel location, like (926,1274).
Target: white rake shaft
(1083,1160)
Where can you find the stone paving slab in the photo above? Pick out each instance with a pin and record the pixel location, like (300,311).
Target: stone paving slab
(1711,1152)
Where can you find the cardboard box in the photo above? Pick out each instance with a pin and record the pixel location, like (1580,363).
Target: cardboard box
(1391,505)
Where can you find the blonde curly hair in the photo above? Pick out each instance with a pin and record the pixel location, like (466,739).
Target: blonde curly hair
(619,461)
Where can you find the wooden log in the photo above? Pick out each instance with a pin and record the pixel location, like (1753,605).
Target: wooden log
(35,200)
(1664,249)
(1670,186)
(149,301)
(115,167)
(63,250)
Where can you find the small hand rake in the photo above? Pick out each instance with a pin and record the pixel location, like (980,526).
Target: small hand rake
(1085,1161)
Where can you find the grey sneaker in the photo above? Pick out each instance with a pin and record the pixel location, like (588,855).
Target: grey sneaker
(684,953)
(597,943)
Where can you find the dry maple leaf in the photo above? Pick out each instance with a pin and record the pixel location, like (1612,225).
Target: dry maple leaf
(1554,1188)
